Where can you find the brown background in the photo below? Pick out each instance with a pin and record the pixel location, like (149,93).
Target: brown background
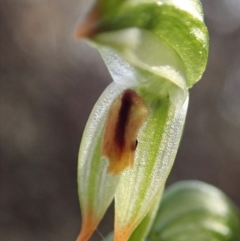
(49,83)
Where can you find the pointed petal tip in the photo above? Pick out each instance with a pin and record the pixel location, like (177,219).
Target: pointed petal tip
(83,236)
(85,233)
(83,31)
(122,235)
(89,26)
(89,225)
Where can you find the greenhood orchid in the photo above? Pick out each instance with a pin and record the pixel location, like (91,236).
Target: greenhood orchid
(155,51)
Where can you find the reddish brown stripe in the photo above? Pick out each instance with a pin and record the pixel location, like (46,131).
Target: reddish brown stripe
(123,117)
(126,115)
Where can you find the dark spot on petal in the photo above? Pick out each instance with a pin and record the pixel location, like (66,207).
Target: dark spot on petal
(127,102)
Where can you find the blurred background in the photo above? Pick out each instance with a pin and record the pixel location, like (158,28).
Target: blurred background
(49,83)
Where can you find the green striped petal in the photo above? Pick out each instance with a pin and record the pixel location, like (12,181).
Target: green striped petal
(140,186)
(95,186)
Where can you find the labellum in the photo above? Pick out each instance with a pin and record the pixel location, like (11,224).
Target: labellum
(126,115)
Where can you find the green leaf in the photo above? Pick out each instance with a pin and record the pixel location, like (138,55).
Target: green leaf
(193,210)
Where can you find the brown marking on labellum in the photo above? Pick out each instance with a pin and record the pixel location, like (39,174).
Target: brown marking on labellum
(89,225)
(127,114)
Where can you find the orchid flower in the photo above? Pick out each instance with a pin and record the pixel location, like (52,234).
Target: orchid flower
(155,50)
